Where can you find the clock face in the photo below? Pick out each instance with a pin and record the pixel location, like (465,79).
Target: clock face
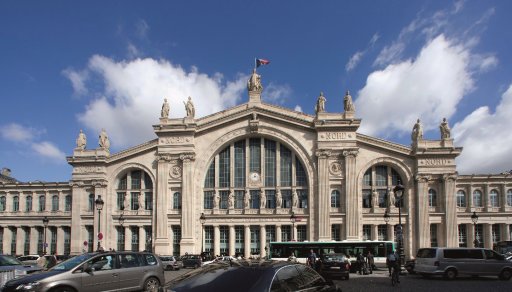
(255,176)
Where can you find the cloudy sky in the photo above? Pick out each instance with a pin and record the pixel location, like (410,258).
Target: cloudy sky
(71,65)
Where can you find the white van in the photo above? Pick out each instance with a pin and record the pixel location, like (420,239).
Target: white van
(451,262)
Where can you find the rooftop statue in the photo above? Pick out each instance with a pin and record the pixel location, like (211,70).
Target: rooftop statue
(445,129)
(189,107)
(320,103)
(254,82)
(417,131)
(81,141)
(165,109)
(103,140)
(348,104)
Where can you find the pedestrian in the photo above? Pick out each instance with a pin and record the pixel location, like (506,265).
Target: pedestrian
(51,261)
(361,263)
(391,261)
(311,261)
(41,261)
(370,261)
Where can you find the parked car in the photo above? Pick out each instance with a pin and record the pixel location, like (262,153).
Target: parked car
(251,276)
(451,262)
(192,261)
(409,266)
(171,263)
(334,266)
(91,272)
(9,263)
(30,259)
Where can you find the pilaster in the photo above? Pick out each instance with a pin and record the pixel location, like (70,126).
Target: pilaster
(352,198)
(188,212)
(323,205)
(247,241)
(232,240)
(422,212)
(450,214)
(161,241)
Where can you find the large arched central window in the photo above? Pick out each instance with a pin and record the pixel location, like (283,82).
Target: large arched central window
(378,181)
(135,191)
(255,169)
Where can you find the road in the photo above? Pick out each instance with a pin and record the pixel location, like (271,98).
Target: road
(379,281)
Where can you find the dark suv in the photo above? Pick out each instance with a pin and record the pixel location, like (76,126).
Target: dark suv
(192,261)
(334,266)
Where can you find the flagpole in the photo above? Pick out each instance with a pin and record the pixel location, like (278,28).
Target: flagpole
(255,63)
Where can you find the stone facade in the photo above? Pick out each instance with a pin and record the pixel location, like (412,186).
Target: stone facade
(247,169)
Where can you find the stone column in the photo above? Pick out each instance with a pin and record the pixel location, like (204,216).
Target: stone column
(263,242)
(60,240)
(161,241)
(390,232)
(505,230)
(322,202)
(450,214)
(422,233)
(231,240)
(470,229)
(279,238)
(487,235)
(20,240)
(375,232)
(216,240)
(247,241)
(469,191)
(486,202)
(352,198)
(188,210)
(503,197)
(128,238)
(142,238)
(33,240)
(7,240)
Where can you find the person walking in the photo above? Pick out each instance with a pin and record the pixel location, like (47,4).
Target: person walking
(311,261)
(370,261)
(392,263)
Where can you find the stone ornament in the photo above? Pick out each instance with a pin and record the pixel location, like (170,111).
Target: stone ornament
(417,131)
(175,171)
(189,107)
(348,105)
(320,103)
(165,109)
(336,168)
(104,142)
(81,141)
(445,129)
(254,82)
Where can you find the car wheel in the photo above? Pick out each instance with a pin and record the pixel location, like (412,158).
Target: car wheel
(450,274)
(63,289)
(151,285)
(506,274)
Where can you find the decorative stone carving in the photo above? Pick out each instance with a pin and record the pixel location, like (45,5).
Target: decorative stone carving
(87,169)
(187,156)
(254,123)
(247,198)
(165,109)
(263,199)
(254,82)
(216,200)
(323,153)
(81,141)
(189,107)
(175,171)
(164,157)
(422,178)
(445,129)
(279,198)
(320,103)
(175,140)
(348,105)
(417,131)
(352,152)
(231,200)
(104,142)
(295,198)
(336,168)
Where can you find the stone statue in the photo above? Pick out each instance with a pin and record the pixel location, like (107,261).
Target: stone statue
(189,107)
(320,103)
(375,199)
(295,199)
(231,200)
(247,199)
(263,199)
(103,140)
(165,109)
(216,199)
(279,199)
(348,104)
(417,131)
(445,129)
(81,141)
(391,198)
(254,82)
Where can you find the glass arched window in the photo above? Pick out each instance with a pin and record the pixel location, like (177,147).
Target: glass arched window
(67,203)
(55,203)
(15,204)
(251,169)
(432,198)
(2,203)
(91,202)
(378,181)
(477,198)
(494,199)
(42,203)
(135,186)
(28,204)
(176,200)
(509,198)
(461,199)
(335,199)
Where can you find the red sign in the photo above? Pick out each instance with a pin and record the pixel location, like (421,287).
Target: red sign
(85,243)
(100,236)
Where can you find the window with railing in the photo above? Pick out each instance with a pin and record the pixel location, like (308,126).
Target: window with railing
(239,164)
(224,196)
(148,201)
(224,240)
(255,239)
(40,240)
(432,198)
(463,235)
(335,199)
(55,203)
(224,168)
(461,199)
(176,240)
(254,199)
(120,238)
(271,199)
(382,232)
(208,238)
(134,200)
(135,238)
(137,187)
(15,204)
(477,198)
(176,200)
(68,202)
(91,203)
(67,239)
(26,244)
(286,233)
(239,240)
(208,200)
(239,199)
(378,180)
(14,234)
(509,198)
(2,203)
(28,204)
(53,240)
(494,199)
(286,166)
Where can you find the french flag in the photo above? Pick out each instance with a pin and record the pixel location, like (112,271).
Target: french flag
(260,62)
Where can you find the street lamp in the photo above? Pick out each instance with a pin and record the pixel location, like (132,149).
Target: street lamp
(45,223)
(202,219)
(399,193)
(99,206)
(474,218)
(293,218)
(386,219)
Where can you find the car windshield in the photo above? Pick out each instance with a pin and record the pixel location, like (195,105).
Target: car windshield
(334,257)
(9,261)
(72,262)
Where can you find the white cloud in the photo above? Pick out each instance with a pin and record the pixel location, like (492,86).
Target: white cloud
(18,133)
(134,90)
(133,51)
(428,88)
(298,108)
(141,28)
(354,60)
(276,93)
(78,79)
(486,139)
(48,150)
(484,63)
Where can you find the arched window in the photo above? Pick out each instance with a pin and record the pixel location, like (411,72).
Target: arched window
(494,199)
(15,204)
(461,199)
(42,203)
(432,198)
(509,198)
(55,203)
(91,202)
(68,203)
(378,181)
(2,203)
(135,186)
(335,199)
(176,200)
(477,198)
(274,171)
(28,204)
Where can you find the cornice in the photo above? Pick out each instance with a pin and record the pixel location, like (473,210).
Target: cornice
(383,143)
(133,150)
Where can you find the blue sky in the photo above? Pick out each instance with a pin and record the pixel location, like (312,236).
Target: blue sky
(69,65)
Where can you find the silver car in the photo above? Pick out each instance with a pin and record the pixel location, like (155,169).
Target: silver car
(91,272)
(171,263)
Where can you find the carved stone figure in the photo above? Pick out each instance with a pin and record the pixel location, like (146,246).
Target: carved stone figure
(279,199)
(348,104)
(391,198)
(417,131)
(375,199)
(263,199)
(295,199)
(216,199)
(231,200)
(320,103)
(445,129)
(247,199)
(189,107)
(81,141)
(103,140)
(254,82)
(165,109)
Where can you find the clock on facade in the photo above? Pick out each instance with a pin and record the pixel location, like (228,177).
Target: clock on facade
(254,176)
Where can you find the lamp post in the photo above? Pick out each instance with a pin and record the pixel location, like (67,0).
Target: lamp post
(202,219)
(386,219)
(99,206)
(45,223)
(474,218)
(121,223)
(399,193)
(293,218)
